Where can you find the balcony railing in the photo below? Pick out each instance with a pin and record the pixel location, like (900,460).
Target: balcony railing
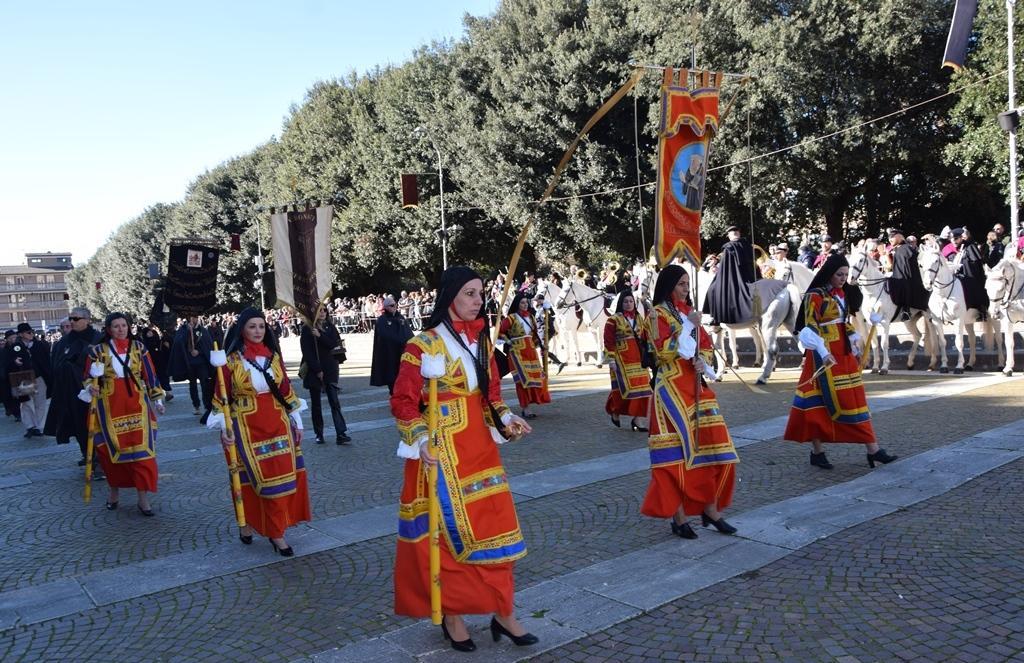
(32,287)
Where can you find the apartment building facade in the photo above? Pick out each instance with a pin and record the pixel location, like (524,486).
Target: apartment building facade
(35,292)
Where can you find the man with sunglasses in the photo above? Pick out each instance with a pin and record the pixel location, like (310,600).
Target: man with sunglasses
(390,334)
(68,415)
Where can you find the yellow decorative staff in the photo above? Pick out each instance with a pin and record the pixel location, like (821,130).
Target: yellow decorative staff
(432,368)
(218,359)
(88,395)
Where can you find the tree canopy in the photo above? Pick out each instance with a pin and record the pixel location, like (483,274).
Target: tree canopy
(499,105)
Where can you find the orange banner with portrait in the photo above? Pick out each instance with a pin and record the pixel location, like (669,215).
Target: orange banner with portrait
(689,120)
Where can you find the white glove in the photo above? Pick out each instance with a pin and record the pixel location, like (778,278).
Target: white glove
(96,370)
(875,318)
(85,395)
(218,358)
(216,421)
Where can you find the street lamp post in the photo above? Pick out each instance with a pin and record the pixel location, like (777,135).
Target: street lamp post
(1014,224)
(420,132)
(259,264)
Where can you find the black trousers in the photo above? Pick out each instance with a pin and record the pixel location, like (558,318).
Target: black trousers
(205,384)
(317,413)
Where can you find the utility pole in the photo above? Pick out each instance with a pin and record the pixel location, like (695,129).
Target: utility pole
(1014,224)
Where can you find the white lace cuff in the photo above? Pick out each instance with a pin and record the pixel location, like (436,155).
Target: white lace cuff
(411,451)
(85,396)
(812,341)
(687,346)
(216,421)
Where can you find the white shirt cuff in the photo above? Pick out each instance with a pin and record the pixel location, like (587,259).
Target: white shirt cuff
(216,421)
(812,341)
(411,451)
(296,419)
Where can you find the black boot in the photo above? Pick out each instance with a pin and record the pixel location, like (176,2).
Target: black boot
(880,456)
(820,460)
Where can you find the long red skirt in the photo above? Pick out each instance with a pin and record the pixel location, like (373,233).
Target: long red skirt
(810,418)
(631,407)
(138,474)
(270,517)
(530,395)
(695,489)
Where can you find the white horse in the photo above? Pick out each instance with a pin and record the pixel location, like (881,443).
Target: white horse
(595,313)
(1004,284)
(948,303)
(780,303)
(865,273)
(794,272)
(567,325)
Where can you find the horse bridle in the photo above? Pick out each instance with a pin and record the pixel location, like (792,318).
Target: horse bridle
(561,303)
(933,275)
(1011,283)
(860,266)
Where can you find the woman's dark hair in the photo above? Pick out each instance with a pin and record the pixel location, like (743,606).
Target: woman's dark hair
(822,281)
(109,320)
(666,283)
(234,341)
(622,299)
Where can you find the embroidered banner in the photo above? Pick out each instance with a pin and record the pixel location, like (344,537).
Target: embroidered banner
(302,259)
(191,284)
(689,119)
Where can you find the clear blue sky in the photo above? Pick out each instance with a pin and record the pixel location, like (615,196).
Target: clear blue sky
(110,107)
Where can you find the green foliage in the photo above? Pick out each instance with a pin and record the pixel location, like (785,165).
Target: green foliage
(499,106)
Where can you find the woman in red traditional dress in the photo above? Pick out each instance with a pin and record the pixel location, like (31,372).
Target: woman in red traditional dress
(267,431)
(624,344)
(830,405)
(481,536)
(692,455)
(126,397)
(519,331)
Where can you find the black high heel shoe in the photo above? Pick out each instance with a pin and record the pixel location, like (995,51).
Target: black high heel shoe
(616,422)
(245,538)
(820,460)
(458,645)
(683,531)
(636,428)
(880,456)
(525,640)
(720,524)
(146,512)
(284,552)
(111,506)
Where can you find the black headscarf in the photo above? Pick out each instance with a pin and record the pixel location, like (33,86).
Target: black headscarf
(821,281)
(234,341)
(622,298)
(519,296)
(451,283)
(667,280)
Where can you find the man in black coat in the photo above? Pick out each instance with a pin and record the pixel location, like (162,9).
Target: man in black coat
(190,360)
(729,299)
(969,266)
(12,408)
(68,415)
(390,334)
(318,346)
(31,354)
(905,285)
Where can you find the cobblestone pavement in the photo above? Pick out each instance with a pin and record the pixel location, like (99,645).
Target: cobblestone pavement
(939,581)
(290,609)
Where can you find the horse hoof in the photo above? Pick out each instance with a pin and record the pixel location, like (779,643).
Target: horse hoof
(958,371)
(944,370)
(1008,374)
(735,367)
(875,371)
(968,367)
(883,371)
(910,367)
(761,381)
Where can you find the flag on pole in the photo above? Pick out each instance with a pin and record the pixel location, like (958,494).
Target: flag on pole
(191,283)
(302,259)
(960,34)
(689,119)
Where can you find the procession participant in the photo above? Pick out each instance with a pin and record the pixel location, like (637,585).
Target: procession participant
(12,408)
(190,360)
(625,344)
(692,454)
(390,334)
(969,267)
(125,397)
(322,373)
(830,404)
(546,329)
(266,430)
(519,332)
(729,299)
(482,537)
(905,285)
(68,415)
(826,251)
(31,355)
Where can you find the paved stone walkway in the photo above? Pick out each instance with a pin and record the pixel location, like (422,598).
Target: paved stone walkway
(81,583)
